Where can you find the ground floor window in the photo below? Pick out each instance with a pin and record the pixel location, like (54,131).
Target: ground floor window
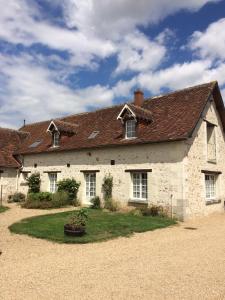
(210,186)
(90,179)
(140,190)
(52,182)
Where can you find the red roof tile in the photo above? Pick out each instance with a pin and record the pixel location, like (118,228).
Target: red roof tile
(174,117)
(10,140)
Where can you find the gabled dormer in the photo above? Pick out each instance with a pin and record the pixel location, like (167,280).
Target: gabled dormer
(58,128)
(132,114)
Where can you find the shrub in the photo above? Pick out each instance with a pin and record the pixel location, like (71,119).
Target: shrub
(112,205)
(135,212)
(45,200)
(41,196)
(60,199)
(70,186)
(107,187)
(34,183)
(79,219)
(16,197)
(153,210)
(96,202)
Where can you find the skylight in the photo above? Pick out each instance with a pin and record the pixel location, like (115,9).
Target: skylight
(35,144)
(93,134)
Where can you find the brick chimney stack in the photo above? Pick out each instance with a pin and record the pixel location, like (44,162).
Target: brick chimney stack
(138,98)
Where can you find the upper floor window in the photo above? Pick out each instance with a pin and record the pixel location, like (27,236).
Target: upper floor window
(211,142)
(130,129)
(56,139)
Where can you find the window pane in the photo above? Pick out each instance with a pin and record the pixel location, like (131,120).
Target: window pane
(53,182)
(140,185)
(130,128)
(90,185)
(210,186)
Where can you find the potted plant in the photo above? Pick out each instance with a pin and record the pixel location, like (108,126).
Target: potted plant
(77,224)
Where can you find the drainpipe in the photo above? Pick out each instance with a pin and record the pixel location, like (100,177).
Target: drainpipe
(17,179)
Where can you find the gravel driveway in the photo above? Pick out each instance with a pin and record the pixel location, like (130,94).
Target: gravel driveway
(171,263)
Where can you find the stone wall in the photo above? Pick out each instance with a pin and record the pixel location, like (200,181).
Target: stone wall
(197,160)
(165,182)
(8,181)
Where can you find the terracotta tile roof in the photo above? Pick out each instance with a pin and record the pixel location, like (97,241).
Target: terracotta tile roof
(174,117)
(65,127)
(141,113)
(10,140)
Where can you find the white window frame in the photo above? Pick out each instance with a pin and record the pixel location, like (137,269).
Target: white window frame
(52,182)
(56,137)
(130,127)
(140,186)
(210,186)
(90,185)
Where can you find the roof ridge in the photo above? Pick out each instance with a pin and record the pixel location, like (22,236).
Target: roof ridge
(181,90)
(117,105)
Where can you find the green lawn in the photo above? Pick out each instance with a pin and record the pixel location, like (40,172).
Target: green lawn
(3,208)
(101,226)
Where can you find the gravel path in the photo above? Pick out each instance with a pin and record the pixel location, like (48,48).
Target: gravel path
(171,263)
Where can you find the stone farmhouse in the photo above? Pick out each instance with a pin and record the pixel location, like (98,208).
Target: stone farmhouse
(167,150)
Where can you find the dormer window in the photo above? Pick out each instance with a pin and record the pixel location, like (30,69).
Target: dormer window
(55,139)
(130,129)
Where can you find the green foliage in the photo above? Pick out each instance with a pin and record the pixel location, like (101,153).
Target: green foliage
(3,209)
(71,186)
(153,210)
(96,202)
(16,197)
(100,225)
(34,183)
(45,200)
(107,187)
(79,219)
(41,196)
(112,205)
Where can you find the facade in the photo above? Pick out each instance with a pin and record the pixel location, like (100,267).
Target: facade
(167,150)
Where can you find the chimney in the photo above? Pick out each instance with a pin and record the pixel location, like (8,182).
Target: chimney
(24,122)
(138,98)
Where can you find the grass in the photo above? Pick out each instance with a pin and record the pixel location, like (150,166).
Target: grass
(3,208)
(101,226)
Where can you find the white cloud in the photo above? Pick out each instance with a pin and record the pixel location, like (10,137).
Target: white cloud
(31,92)
(138,53)
(119,17)
(210,43)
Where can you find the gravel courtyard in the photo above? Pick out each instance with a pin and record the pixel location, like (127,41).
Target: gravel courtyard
(171,263)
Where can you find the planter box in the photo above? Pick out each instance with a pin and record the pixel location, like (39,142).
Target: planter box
(68,230)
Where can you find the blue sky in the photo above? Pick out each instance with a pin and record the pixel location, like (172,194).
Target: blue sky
(68,56)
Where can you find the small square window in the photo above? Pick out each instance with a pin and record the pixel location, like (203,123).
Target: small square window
(35,165)
(68,165)
(112,162)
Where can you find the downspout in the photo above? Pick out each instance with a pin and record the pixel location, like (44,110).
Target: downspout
(17,179)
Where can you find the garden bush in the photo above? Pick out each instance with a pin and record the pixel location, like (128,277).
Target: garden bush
(16,197)
(45,200)
(112,205)
(107,186)
(153,210)
(71,186)
(96,202)
(34,183)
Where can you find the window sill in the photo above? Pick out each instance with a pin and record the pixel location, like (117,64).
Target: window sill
(213,201)
(141,201)
(212,161)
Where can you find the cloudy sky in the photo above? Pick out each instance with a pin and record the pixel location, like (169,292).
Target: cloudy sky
(60,57)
